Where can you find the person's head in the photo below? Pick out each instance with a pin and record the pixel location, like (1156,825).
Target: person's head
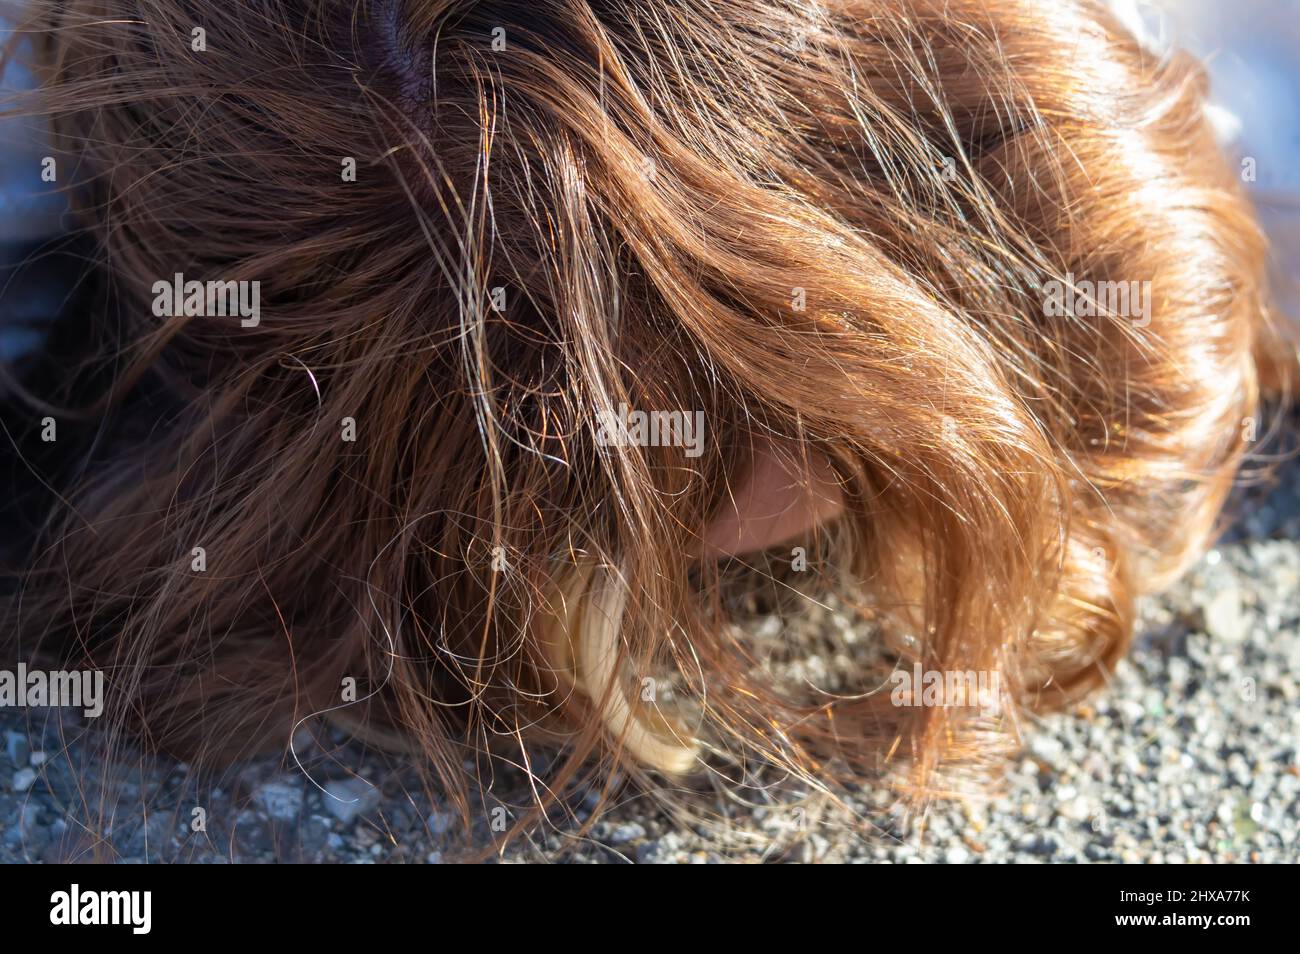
(553,310)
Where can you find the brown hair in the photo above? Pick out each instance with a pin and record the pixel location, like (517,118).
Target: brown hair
(836,229)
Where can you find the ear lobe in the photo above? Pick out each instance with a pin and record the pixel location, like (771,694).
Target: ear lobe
(787,491)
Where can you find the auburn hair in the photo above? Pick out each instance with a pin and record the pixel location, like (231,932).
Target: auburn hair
(481,228)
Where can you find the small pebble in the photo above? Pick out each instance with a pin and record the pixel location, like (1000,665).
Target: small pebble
(349,799)
(280,800)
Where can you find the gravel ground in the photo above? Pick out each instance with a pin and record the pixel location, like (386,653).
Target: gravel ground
(1192,754)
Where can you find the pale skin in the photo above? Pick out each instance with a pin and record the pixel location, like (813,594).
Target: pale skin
(783,495)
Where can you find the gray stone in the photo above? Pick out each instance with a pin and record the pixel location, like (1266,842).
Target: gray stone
(280,800)
(17,748)
(624,833)
(1224,617)
(349,799)
(23,779)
